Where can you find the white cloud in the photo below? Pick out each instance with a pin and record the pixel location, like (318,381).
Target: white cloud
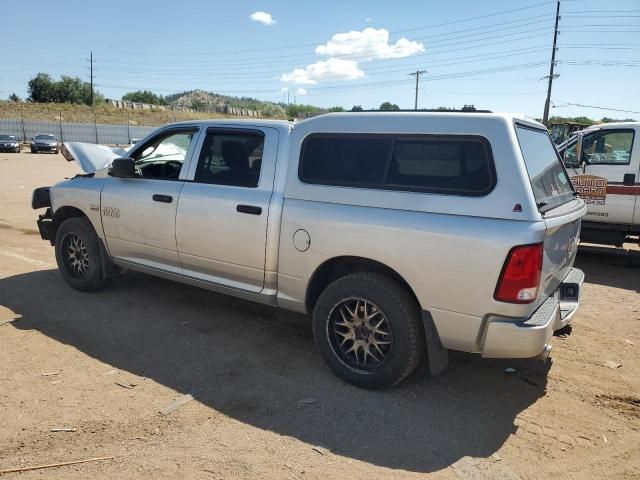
(331,69)
(368,19)
(262,17)
(301,91)
(368,44)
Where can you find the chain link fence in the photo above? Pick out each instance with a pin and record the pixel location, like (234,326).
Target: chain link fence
(74,132)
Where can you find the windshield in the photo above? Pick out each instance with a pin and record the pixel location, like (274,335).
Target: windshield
(7,138)
(45,137)
(549,180)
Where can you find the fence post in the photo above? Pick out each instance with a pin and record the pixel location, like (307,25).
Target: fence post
(95,124)
(24,131)
(61,135)
(129,130)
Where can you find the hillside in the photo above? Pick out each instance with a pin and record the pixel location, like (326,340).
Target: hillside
(105,114)
(202,100)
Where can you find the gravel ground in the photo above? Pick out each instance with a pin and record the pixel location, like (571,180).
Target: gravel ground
(104,365)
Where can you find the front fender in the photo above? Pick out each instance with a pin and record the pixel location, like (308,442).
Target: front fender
(78,194)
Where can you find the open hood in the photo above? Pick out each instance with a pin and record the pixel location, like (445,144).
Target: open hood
(91,157)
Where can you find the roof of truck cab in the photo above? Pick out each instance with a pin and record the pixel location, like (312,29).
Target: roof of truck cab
(217,122)
(605,126)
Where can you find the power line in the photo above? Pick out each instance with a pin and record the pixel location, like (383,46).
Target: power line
(424,27)
(595,107)
(522,35)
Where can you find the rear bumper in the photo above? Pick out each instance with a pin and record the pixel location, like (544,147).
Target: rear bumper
(530,337)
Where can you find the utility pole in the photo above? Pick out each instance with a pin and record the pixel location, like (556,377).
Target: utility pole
(417,73)
(545,116)
(91,62)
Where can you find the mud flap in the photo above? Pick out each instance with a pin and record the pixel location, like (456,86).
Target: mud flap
(437,355)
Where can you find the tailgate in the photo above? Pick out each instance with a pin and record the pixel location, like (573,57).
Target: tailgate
(560,244)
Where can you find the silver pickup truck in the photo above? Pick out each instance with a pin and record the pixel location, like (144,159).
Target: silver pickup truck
(402,234)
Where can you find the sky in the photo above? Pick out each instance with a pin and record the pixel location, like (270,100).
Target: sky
(493,54)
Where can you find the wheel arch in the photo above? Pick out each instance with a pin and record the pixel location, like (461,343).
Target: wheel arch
(338,267)
(66,212)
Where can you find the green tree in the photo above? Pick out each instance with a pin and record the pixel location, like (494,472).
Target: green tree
(41,89)
(144,96)
(336,109)
(14,98)
(294,110)
(356,108)
(72,90)
(388,106)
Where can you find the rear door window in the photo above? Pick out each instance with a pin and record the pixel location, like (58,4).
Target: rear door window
(549,180)
(231,158)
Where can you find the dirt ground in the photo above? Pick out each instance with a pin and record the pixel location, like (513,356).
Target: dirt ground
(266,406)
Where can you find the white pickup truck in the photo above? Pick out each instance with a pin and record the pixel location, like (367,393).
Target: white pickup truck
(604,165)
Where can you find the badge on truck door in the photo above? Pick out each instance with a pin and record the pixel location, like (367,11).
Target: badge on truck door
(591,188)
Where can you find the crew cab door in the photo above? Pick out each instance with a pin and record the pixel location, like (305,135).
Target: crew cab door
(221,223)
(606,174)
(138,214)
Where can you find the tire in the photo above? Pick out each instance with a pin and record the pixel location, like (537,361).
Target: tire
(33,150)
(79,255)
(394,334)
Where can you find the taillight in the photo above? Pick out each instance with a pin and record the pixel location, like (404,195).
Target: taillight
(520,277)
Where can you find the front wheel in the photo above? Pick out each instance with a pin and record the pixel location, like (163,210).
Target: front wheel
(368,329)
(79,255)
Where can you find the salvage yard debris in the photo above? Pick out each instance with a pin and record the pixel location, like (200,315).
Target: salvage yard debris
(51,374)
(611,364)
(64,429)
(179,402)
(54,465)
(3,322)
(125,384)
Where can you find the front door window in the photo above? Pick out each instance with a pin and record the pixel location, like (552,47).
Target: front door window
(163,157)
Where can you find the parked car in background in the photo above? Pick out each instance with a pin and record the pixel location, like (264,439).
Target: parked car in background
(132,144)
(44,142)
(603,162)
(402,234)
(9,143)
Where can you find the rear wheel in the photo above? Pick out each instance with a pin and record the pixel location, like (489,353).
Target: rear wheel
(79,255)
(368,329)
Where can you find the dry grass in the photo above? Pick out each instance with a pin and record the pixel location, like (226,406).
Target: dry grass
(101,114)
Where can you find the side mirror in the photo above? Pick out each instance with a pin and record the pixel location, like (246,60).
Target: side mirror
(122,168)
